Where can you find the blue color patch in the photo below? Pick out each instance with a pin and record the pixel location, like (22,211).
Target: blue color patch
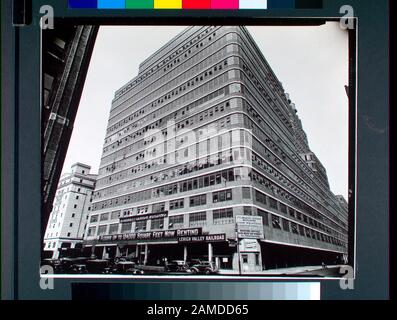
(83,4)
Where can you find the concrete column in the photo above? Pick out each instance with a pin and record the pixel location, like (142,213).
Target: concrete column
(185,253)
(217,262)
(235,262)
(117,251)
(146,254)
(57,249)
(210,253)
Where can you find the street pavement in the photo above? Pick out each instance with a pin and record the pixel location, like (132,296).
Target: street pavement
(296,271)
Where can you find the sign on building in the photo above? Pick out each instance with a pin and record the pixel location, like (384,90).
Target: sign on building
(249,245)
(144,217)
(205,238)
(153,235)
(249,227)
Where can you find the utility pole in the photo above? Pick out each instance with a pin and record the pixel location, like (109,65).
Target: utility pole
(238,251)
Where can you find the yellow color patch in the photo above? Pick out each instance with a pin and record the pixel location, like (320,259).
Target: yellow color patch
(168,4)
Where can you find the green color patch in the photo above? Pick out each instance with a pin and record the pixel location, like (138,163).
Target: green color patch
(139,4)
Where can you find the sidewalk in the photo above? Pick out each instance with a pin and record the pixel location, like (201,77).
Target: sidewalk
(282,271)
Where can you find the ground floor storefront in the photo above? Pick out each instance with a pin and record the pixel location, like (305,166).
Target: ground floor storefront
(250,256)
(61,248)
(276,256)
(158,253)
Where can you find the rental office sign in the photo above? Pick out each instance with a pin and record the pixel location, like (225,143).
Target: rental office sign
(152,235)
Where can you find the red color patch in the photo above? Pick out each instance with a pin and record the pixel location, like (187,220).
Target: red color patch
(196,4)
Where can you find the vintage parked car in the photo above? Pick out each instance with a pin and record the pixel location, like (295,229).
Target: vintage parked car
(178,266)
(55,264)
(78,269)
(125,267)
(98,266)
(134,270)
(68,263)
(204,267)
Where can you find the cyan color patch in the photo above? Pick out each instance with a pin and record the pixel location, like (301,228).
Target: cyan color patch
(111,4)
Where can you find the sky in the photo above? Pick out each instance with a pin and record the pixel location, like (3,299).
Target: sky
(311,62)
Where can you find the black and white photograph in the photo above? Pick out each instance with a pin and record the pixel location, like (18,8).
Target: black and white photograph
(196,151)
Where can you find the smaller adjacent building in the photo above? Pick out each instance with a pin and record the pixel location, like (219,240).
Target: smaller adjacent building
(68,219)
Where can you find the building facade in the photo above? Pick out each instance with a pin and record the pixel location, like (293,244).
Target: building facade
(205,158)
(66,55)
(71,208)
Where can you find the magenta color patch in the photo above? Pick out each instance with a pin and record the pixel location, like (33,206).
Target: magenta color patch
(224,4)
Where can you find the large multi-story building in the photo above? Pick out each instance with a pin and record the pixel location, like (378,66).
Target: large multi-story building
(69,216)
(205,158)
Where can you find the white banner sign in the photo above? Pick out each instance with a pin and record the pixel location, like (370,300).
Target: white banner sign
(249,227)
(250,245)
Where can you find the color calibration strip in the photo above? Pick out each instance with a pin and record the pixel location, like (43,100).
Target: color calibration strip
(196,4)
